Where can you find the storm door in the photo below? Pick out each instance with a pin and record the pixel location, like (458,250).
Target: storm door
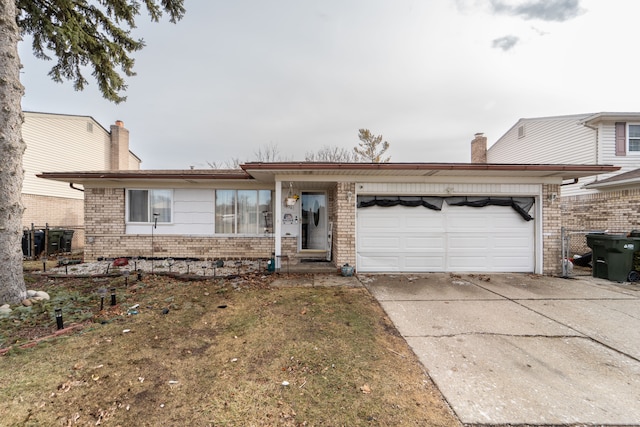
(314,221)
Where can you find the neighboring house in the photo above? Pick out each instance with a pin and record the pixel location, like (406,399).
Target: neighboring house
(600,202)
(58,142)
(377,217)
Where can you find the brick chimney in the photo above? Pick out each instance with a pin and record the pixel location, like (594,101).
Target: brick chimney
(119,146)
(479,148)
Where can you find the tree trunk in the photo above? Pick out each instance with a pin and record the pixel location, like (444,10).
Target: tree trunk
(12,287)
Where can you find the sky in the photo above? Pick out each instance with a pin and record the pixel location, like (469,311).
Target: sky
(235,77)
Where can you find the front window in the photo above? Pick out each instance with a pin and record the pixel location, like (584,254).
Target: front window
(243,211)
(634,138)
(143,204)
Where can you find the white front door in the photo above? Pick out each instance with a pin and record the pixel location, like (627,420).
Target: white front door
(314,221)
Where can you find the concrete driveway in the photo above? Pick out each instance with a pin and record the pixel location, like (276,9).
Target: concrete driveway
(522,349)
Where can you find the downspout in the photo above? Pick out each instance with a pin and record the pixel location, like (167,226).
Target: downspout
(596,129)
(575,181)
(75,188)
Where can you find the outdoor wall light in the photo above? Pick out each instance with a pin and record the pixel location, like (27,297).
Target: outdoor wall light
(349,196)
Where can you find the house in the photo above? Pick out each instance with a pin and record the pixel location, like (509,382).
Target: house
(58,142)
(600,202)
(377,217)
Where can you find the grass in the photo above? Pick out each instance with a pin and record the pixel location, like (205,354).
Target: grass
(225,353)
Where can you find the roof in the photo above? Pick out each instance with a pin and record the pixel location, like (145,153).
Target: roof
(267,172)
(623,179)
(611,116)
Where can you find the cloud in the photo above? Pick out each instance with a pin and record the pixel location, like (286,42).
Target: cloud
(545,10)
(505,43)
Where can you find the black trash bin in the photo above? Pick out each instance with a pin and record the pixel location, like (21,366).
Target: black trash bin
(38,243)
(613,255)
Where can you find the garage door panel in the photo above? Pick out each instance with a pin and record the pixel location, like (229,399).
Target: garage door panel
(434,262)
(381,243)
(379,263)
(470,242)
(513,242)
(467,263)
(458,238)
(467,225)
(422,243)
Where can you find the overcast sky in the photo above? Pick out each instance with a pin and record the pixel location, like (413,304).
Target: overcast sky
(235,76)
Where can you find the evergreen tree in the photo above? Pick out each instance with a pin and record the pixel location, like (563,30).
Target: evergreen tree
(79,33)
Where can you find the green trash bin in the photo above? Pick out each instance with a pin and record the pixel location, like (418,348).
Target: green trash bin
(54,240)
(65,241)
(612,255)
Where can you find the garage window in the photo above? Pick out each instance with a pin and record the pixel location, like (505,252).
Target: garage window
(522,205)
(434,203)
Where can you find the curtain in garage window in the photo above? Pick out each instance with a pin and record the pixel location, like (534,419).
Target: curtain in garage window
(434,203)
(522,205)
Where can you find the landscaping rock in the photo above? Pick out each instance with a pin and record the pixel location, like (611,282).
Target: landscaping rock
(27,302)
(5,309)
(42,295)
(31,293)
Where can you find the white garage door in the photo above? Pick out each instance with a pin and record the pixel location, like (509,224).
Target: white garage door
(457,238)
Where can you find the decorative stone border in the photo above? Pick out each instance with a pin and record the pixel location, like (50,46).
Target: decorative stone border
(35,342)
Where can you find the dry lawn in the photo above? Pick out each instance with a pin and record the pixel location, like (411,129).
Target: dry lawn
(227,352)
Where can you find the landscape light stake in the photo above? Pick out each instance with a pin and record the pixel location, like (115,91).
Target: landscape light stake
(113,296)
(59,322)
(65,261)
(101,302)
(44,265)
(155,224)
(126,277)
(139,275)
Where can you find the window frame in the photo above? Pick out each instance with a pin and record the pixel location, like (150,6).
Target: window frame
(261,229)
(629,139)
(149,220)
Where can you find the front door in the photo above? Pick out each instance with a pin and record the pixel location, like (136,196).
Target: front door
(314,221)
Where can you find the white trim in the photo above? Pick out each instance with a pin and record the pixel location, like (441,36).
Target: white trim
(537,230)
(277,221)
(628,135)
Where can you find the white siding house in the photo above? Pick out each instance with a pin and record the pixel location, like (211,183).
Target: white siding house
(58,142)
(600,202)
(572,139)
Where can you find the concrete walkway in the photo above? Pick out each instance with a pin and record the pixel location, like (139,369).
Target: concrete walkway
(522,349)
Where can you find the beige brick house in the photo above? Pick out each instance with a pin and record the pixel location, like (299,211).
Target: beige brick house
(59,142)
(377,217)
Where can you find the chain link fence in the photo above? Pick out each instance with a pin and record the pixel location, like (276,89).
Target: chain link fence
(576,255)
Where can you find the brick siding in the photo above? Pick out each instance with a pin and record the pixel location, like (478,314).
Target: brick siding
(612,210)
(105,237)
(551,230)
(56,212)
(344,228)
